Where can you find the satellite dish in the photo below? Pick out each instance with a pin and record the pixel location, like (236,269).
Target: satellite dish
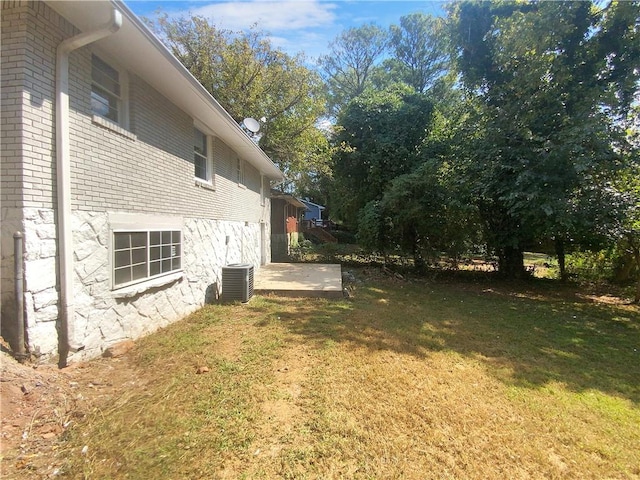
(251,124)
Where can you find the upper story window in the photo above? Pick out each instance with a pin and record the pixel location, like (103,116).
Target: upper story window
(202,156)
(240,172)
(106,91)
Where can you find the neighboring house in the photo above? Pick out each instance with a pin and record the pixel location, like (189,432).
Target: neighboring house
(314,211)
(286,213)
(132,186)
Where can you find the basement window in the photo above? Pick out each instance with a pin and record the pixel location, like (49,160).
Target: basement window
(142,255)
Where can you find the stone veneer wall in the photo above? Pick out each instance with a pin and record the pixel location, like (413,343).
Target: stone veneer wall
(29,38)
(146,170)
(103,317)
(40,287)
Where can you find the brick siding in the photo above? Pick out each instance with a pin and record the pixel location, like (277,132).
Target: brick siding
(148,170)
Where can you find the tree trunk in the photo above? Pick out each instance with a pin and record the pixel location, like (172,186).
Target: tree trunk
(636,255)
(511,262)
(624,269)
(561,258)
(418,260)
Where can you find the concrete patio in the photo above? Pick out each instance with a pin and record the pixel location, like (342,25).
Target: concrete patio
(299,280)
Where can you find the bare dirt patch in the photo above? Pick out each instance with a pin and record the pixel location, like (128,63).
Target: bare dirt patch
(40,402)
(229,346)
(285,404)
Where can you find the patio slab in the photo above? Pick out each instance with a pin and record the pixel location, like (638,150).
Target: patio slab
(299,280)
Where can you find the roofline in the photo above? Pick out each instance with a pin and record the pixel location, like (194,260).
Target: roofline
(296,202)
(321,207)
(207,96)
(199,102)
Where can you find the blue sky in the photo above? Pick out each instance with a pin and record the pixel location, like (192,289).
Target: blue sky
(296,25)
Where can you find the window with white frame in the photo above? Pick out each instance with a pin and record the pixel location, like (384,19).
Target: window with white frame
(106,91)
(139,255)
(240,172)
(202,156)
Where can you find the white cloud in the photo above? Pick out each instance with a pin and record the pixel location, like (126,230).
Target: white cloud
(272,16)
(310,43)
(293,26)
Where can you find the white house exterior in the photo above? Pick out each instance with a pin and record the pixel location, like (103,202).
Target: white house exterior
(131,185)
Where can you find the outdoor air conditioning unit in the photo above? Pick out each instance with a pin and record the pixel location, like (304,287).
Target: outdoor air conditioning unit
(237,282)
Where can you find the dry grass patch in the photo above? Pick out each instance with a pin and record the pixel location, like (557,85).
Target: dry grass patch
(405,380)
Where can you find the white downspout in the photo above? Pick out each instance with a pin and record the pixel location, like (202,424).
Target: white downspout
(66,333)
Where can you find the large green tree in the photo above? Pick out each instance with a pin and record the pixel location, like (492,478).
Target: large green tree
(424,213)
(419,54)
(425,216)
(627,235)
(352,58)
(379,137)
(250,78)
(547,81)
(626,256)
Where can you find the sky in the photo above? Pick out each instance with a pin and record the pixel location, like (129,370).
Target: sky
(295,26)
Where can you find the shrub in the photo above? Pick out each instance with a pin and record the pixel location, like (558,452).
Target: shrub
(344,237)
(590,266)
(300,253)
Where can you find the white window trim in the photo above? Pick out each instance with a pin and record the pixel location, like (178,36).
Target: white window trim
(130,222)
(138,288)
(240,172)
(123,104)
(210,181)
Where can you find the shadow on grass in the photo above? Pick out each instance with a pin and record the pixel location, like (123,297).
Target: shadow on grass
(527,335)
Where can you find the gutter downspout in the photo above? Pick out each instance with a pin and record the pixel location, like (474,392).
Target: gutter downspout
(66,340)
(20,351)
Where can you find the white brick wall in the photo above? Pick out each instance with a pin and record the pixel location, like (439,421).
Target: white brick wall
(145,169)
(152,171)
(29,38)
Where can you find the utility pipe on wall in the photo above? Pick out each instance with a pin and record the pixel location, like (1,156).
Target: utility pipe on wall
(21,353)
(66,340)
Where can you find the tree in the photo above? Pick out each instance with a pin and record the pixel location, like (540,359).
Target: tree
(629,238)
(425,217)
(250,78)
(548,80)
(347,67)
(627,233)
(419,210)
(374,229)
(418,47)
(379,138)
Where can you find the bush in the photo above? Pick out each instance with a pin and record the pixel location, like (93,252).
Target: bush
(344,237)
(590,266)
(300,253)
(328,252)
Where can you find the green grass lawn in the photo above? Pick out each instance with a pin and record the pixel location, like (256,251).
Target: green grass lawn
(404,380)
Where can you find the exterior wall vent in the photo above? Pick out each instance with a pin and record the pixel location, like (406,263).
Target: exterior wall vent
(237,282)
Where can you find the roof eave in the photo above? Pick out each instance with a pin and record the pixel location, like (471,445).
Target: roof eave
(142,53)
